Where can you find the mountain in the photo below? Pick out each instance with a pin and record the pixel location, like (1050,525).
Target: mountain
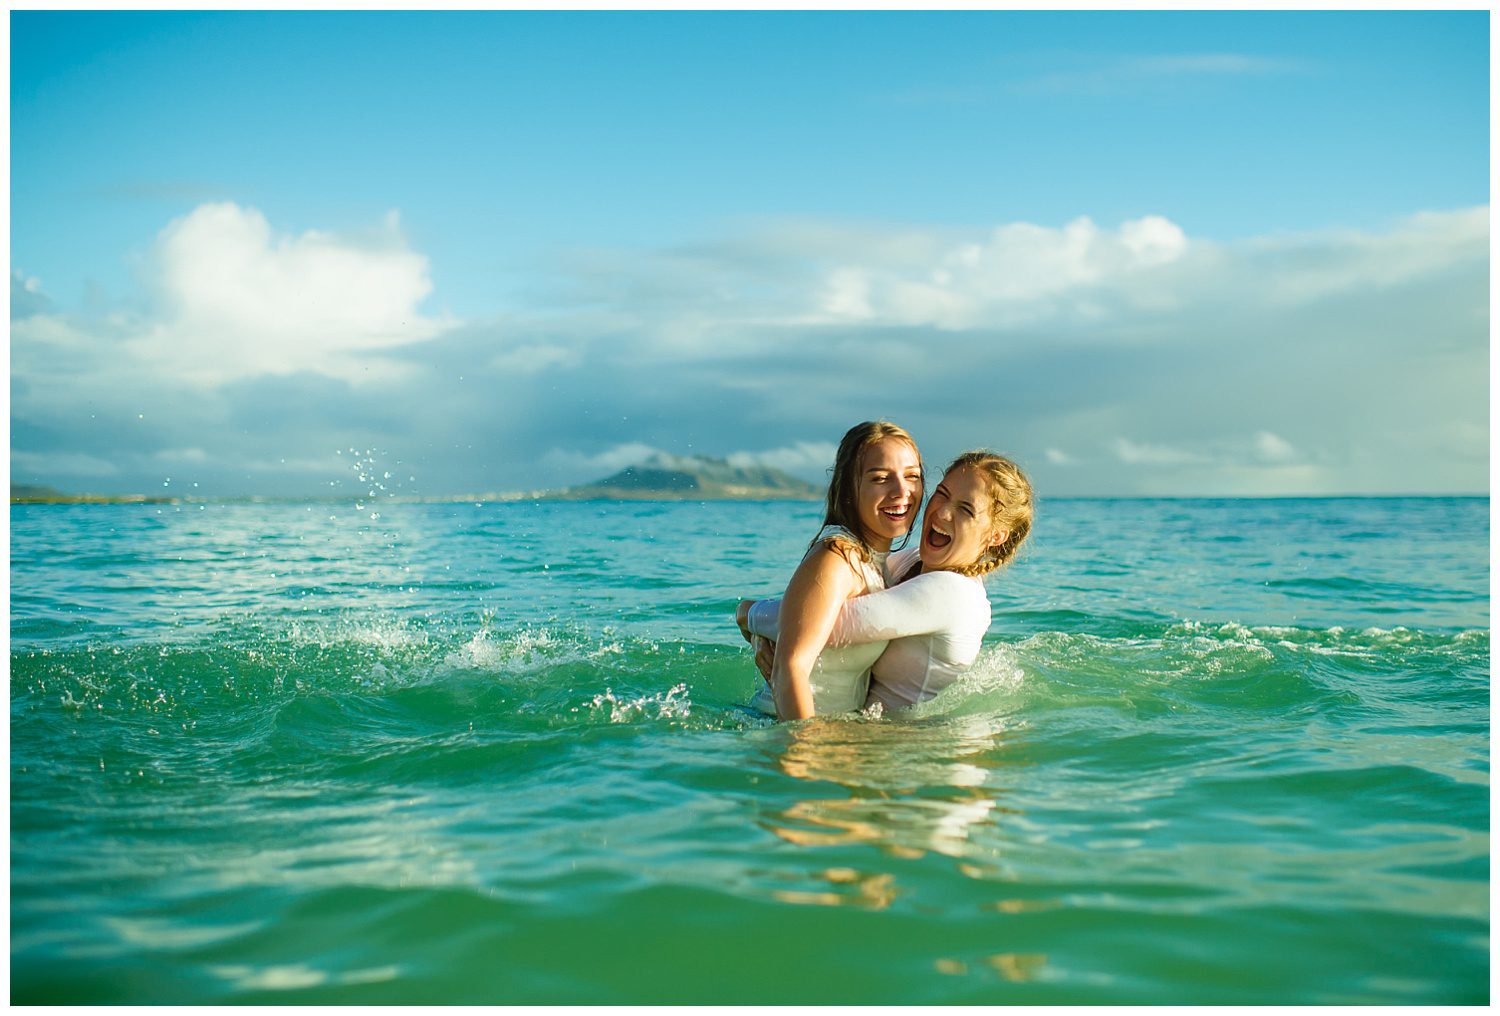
(692,478)
(660,478)
(31,493)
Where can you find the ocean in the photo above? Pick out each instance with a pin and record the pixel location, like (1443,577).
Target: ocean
(1214,751)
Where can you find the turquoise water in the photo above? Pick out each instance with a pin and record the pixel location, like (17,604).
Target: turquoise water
(1213,752)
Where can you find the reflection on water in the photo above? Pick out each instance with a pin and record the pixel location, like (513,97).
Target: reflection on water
(911,787)
(1011,966)
(869,892)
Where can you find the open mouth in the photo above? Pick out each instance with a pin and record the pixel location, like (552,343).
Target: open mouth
(937,539)
(897,513)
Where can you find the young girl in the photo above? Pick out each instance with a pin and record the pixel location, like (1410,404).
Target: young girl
(875,492)
(934,616)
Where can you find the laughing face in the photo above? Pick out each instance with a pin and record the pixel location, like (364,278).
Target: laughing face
(957,527)
(890,490)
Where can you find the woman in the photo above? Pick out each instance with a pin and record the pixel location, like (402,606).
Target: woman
(874,493)
(933,618)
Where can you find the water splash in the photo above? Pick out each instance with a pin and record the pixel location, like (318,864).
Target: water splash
(671,704)
(378,478)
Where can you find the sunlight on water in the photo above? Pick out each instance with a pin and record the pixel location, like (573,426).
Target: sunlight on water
(502,754)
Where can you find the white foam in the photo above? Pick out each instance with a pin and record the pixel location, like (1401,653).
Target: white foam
(673,703)
(521,652)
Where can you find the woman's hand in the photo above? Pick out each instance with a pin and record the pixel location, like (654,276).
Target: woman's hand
(765,656)
(742,618)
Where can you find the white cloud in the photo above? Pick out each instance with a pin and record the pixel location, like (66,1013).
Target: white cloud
(184,456)
(237,300)
(1254,453)
(533,359)
(1271,448)
(1135,453)
(1206,63)
(320,466)
(802,457)
(1018,273)
(582,467)
(1301,269)
(1115,75)
(1287,364)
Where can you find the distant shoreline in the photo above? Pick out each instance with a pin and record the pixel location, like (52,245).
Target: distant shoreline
(660,478)
(594,498)
(489,498)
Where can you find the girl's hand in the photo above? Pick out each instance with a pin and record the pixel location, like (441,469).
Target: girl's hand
(765,656)
(742,618)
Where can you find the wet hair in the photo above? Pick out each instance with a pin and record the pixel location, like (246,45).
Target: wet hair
(842,507)
(1011,505)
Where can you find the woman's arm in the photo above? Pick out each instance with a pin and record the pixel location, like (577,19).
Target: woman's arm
(918,606)
(762,617)
(819,587)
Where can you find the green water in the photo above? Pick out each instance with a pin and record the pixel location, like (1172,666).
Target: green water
(1213,752)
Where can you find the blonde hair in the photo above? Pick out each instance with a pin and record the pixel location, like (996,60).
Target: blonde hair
(842,505)
(1011,505)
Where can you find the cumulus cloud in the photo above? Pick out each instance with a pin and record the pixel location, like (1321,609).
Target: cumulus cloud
(235,299)
(26,296)
(1016,274)
(1136,453)
(802,458)
(1305,268)
(1128,358)
(1270,448)
(1232,465)
(228,304)
(534,358)
(190,456)
(582,467)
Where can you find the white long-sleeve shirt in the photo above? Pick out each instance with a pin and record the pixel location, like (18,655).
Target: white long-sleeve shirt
(934,623)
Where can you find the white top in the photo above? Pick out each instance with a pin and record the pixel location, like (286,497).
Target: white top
(840,677)
(930,626)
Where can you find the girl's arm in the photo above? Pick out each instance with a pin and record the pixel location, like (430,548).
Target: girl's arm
(819,587)
(928,603)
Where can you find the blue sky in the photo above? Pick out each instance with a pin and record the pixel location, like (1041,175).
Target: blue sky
(1167,253)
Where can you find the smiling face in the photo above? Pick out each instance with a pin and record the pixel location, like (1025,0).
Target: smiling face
(889,490)
(958,526)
